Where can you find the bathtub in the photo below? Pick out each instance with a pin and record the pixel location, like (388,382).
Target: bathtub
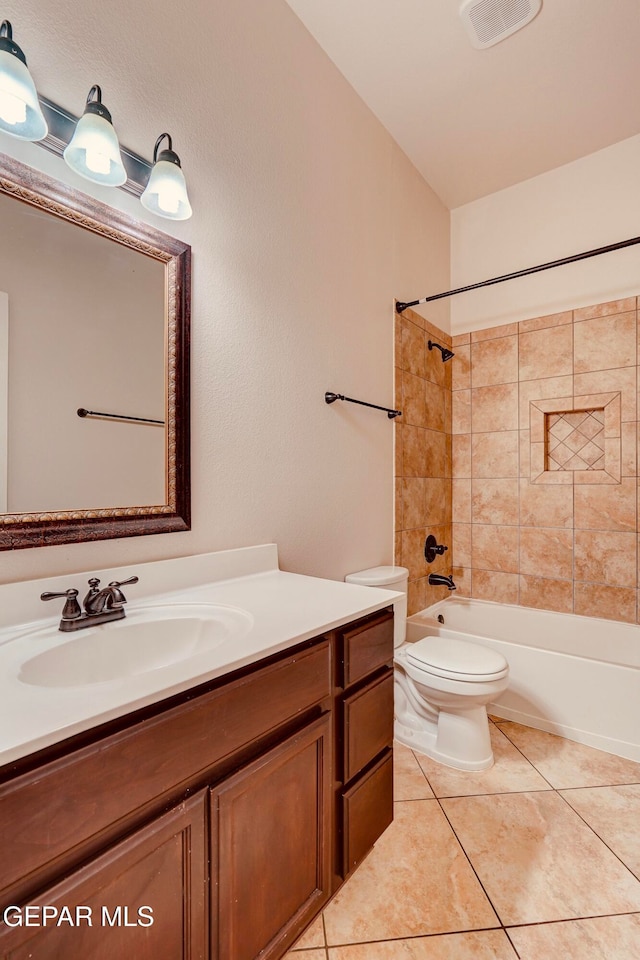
(575,676)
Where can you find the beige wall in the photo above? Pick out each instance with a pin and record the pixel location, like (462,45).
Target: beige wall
(554,539)
(590,203)
(423,455)
(308,221)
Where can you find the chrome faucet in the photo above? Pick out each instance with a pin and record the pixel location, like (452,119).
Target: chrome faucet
(438,580)
(100,606)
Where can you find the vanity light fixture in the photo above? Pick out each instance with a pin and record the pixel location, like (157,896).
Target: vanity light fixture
(20,112)
(166,191)
(94,151)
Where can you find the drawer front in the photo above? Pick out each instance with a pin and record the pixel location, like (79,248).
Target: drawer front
(368,724)
(77,800)
(367,647)
(367,810)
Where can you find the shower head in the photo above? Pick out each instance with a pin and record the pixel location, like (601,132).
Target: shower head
(446,354)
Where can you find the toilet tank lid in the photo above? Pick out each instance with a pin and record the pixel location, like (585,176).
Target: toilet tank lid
(378,576)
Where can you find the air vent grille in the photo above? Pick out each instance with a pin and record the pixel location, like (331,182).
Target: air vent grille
(490,21)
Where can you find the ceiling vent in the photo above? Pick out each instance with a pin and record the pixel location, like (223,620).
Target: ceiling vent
(490,21)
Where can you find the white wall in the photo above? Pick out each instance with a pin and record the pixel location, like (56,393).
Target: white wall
(308,222)
(590,203)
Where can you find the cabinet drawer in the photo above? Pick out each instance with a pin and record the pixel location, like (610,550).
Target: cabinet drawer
(367,810)
(366,647)
(62,811)
(368,724)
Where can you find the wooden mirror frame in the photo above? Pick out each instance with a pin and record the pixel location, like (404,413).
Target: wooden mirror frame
(18,531)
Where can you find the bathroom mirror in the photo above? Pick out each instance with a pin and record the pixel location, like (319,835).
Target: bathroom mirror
(94,368)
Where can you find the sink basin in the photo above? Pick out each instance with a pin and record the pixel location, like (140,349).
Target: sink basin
(147,639)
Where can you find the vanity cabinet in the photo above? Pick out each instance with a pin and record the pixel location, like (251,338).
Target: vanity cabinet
(213,813)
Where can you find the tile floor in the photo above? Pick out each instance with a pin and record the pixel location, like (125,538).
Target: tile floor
(537,859)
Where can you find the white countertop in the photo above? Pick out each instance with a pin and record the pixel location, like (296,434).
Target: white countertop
(282,609)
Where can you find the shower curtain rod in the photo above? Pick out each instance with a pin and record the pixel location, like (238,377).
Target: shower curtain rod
(523,273)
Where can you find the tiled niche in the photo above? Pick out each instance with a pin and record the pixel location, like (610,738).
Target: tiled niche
(577,440)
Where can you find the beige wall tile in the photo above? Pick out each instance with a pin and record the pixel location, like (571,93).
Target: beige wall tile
(435,369)
(434,401)
(461,545)
(397,388)
(414,451)
(599,600)
(397,435)
(546,594)
(546,353)
(606,557)
(461,497)
(417,596)
(494,361)
(413,502)
(461,455)
(462,579)
(504,330)
(546,552)
(412,404)
(494,501)
(606,507)
(489,585)
(605,309)
(541,323)
(413,349)
(461,369)
(629,449)
(494,408)
(461,339)
(397,548)
(413,552)
(437,500)
(494,547)
(525,453)
(545,506)
(435,445)
(605,342)
(399,506)
(447,455)
(621,379)
(495,454)
(560,388)
(461,412)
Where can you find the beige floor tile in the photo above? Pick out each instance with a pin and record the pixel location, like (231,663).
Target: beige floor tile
(538,861)
(416,881)
(567,764)
(510,772)
(409,782)
(306,955)
(312,937)
(614,814)
(481,945)
(604,938)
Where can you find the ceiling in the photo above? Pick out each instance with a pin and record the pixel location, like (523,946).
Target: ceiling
(477,121)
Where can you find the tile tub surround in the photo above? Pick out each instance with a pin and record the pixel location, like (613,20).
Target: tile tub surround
(423,454)
(559,539)
(556,865)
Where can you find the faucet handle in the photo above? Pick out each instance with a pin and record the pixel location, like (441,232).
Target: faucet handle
(118,595)
(71,609)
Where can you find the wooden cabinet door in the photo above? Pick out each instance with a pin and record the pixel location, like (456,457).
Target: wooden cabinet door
(270,856)
(145,898)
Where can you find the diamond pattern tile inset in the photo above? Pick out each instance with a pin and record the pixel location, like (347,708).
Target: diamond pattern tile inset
(575,440)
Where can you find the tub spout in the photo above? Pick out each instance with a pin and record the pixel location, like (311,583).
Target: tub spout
(437,580)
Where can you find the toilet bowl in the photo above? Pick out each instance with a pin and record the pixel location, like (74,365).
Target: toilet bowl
(442,686)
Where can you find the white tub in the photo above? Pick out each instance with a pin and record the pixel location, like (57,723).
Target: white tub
(575,676)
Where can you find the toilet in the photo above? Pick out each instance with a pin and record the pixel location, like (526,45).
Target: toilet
(442,686)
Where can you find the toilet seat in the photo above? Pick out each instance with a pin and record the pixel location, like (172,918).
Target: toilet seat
(456,659)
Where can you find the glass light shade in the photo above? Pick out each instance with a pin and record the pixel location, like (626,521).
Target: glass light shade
(166,192)
(20,112)
(94,152)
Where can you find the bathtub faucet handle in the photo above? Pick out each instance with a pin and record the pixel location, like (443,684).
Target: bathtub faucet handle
(433,549)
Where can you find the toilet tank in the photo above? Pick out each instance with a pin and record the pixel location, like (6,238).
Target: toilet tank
(393,578)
